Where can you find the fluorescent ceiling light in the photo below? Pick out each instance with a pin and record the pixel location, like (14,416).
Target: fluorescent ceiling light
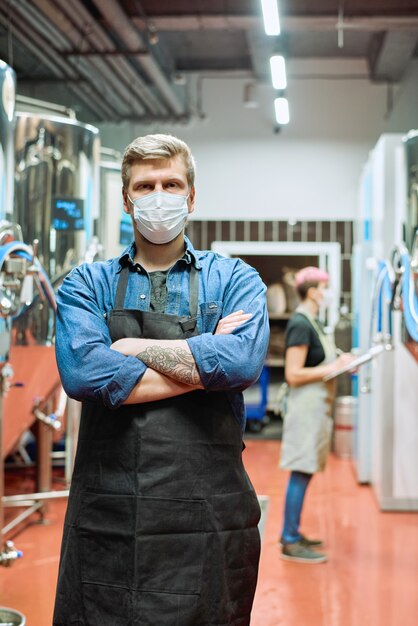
(281,106)
(271,17)
(278,72)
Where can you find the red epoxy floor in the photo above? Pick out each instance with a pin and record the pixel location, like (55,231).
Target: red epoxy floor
(371,578)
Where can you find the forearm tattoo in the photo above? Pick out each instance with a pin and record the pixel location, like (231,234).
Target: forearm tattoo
(176,363)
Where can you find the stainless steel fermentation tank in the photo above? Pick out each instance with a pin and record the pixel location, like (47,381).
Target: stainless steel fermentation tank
(411,227)
(411,221)
(7,107)
(56,187)
(115,230)
(28,373)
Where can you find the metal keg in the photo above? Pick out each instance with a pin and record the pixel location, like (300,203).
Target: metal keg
(345,407)
(10,617)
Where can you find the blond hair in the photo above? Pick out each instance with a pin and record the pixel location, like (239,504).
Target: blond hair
(157,147)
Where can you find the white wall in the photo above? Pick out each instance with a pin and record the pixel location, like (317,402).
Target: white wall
(311,169)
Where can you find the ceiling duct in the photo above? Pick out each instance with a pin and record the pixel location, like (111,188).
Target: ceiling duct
(40,49)
(119,21)
(95,70)
(102,43)
(390,54)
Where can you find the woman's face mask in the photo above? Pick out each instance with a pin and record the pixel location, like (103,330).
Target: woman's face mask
(327,297)
(160,216)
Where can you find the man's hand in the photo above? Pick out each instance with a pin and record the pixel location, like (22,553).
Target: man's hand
(132,347)
(171,357)
(229,323)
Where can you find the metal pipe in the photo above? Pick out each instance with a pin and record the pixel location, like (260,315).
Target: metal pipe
(34,497)
(36,45)
(43,104)
(148,120)
(57,65)
(118,19)
(58,454)
(2,388)
(67,37)
(43,466)
(19,505)
(110,152)
(5,373)
(73,423)
(101,41)
(19,518)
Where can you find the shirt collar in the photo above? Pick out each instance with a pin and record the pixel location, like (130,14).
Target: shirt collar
(190,254)
(127,256)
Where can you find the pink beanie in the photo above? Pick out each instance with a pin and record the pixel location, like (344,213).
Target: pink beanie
(310,275)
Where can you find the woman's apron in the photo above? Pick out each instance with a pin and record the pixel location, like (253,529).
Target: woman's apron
(307,426)
(161,526)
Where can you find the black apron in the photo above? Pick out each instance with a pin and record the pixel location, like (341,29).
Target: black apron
(161,525)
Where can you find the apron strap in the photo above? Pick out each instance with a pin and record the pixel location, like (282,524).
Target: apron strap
(194,294)
(189,325)
(121,288)
(326,342)
(194,291)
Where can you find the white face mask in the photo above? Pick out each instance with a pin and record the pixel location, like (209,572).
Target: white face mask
(327,297)
(160,216)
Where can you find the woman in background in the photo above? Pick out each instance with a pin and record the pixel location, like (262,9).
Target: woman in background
(310,356)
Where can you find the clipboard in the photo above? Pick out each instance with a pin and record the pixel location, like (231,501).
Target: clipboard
(360,360)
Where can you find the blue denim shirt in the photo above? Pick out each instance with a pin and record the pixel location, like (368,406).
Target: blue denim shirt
(90,370)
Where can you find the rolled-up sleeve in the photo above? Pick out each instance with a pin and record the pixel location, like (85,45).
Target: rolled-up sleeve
(235,361)
(89,369)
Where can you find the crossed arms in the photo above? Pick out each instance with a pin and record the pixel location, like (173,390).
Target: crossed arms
(229,360)
(171,367)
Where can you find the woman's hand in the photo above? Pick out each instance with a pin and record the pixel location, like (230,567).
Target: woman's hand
(229,323)
(344,359)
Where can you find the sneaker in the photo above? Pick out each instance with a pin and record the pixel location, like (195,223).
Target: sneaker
(301,553)
(311,543)
(308,543)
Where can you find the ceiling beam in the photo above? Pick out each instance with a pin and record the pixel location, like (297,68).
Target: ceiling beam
(99,40)
(121,24)
(66,36)
(289,23)
(39,47)
(390,54)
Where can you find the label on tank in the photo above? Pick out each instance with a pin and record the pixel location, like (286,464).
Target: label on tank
(68,213)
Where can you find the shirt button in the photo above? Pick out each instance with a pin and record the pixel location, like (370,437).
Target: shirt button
(142,296)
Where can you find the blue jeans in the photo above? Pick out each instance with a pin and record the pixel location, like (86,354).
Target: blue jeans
(296,489)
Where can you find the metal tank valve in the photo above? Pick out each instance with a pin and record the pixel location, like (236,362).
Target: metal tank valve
(49,419)
(9,554)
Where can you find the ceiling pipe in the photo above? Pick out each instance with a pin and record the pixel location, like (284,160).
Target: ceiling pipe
(36,45)
(44,104)
(118,20)
(101,42)
(67,37)
(31,17)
